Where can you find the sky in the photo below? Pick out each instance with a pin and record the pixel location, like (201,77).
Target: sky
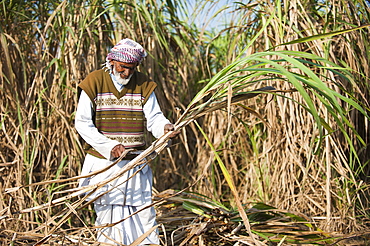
(203,10)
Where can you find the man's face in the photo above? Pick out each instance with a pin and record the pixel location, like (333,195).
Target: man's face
(125,70)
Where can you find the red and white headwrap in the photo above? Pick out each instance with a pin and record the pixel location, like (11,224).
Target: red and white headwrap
(127,51)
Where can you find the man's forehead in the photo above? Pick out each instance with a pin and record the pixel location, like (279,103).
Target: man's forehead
(125,64)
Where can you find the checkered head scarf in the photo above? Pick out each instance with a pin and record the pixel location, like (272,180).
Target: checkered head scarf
(127,51)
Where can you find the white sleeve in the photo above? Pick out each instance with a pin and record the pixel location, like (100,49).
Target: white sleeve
(154,116)
(85,127)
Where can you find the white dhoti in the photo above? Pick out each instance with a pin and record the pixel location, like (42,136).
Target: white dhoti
(128,230)
(126,197)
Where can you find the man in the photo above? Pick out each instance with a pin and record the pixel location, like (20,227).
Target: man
(110,118)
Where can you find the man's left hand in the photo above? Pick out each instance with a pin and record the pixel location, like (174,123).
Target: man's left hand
(171,127)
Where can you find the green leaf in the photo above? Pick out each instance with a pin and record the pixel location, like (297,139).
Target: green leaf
(322,36)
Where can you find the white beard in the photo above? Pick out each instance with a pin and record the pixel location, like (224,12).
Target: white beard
(118,79)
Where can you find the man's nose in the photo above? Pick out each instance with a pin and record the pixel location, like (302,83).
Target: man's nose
(125,71)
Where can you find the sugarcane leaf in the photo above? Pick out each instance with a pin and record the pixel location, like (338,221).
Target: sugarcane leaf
(322,36)
(195,209)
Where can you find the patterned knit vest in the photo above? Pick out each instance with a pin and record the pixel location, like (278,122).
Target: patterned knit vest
(118,115)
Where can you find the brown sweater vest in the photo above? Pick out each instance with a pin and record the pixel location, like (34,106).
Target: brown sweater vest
(118,115)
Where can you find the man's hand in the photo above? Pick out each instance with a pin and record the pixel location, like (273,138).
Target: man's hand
(117,151)
(170,127)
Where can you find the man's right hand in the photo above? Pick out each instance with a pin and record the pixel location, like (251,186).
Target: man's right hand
(117,151)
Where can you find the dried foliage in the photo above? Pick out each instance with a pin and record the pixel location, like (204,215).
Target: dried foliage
(302,148)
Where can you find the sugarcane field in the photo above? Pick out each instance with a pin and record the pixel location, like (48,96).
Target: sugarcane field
(184,123)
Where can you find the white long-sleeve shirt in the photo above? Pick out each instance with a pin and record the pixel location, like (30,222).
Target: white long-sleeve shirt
(86,128)
(137,190)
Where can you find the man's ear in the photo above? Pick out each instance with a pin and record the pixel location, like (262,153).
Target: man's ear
(111,62)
